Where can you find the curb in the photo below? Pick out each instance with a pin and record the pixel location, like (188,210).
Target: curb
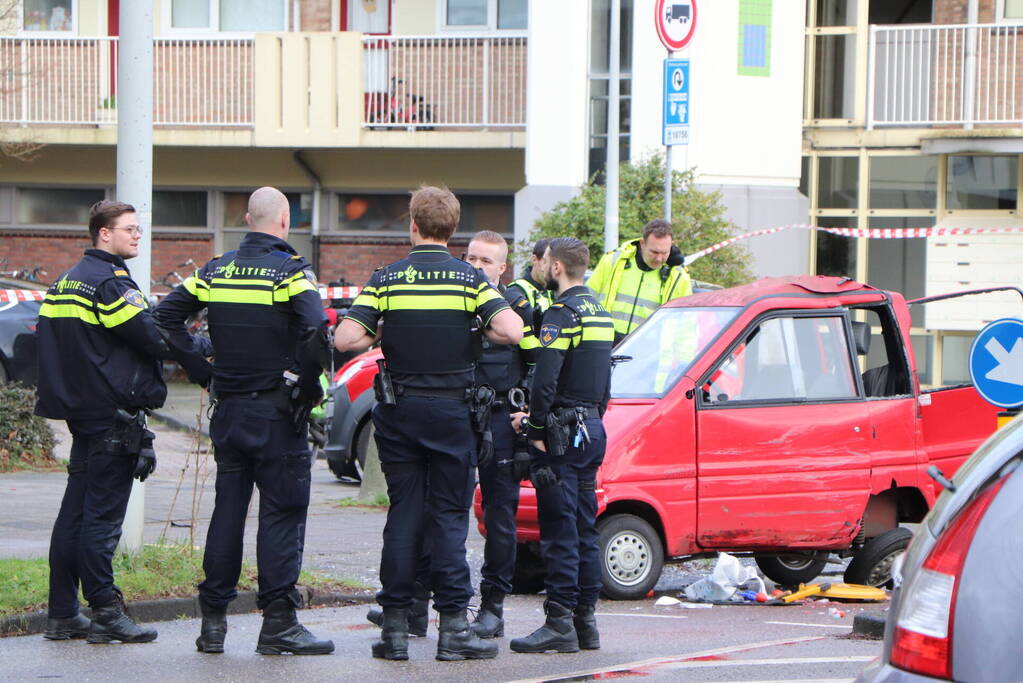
(869,624)
(169,609)
(174,422)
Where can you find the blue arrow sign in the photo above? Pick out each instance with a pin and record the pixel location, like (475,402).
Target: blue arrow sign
(676,102)
(996,363)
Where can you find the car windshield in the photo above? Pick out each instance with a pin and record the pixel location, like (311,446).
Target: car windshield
(664,347)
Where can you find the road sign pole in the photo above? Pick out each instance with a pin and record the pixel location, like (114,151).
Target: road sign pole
(667,183)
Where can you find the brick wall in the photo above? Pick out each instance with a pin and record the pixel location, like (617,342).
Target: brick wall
(954,11)
(316,15)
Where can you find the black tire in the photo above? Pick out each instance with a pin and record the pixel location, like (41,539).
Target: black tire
(529,571)
(336,468)
(360,447)
(792,568)
(872,565)
(631,556)
(4,377)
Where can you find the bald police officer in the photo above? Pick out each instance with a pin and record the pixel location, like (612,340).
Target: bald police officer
(269,342)
(424,308)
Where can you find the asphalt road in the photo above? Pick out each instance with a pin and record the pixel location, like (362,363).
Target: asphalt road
(799,643)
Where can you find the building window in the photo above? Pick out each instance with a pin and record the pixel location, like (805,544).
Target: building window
(1010,10)
(49,16)
(836,254)
(486,14)
(838,182)
(982,182)
(755,38)
(900,265)
(903,182)
(388,213)
(179,209)
(55,206)
(227,16)
(600,62)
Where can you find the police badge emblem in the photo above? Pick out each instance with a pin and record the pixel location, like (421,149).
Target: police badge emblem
(548,333)
(135,298)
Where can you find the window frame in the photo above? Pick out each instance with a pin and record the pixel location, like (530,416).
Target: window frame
(1000,17)
(48,33)
(489,27)
(167,27)
(843,313)
(334,217)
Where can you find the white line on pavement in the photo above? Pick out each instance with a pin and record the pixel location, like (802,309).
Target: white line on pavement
(800,623)
(798,680)
(766,662)
(648,616)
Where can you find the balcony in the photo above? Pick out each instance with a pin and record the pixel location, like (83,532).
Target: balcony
(288,89)
(945,76)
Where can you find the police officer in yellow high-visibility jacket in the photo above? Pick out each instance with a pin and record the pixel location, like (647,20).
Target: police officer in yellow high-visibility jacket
(632,281)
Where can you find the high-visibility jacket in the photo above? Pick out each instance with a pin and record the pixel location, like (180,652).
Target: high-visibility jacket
(630,293)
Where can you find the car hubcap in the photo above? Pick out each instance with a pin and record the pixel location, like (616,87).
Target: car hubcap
(797,562)
(628,558)
(882,571)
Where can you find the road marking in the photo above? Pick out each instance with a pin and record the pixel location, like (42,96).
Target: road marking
(799,680)
(648,616)
(713,664)
(799,623)
(661,661)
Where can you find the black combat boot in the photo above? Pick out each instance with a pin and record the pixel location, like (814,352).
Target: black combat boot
(110,623)
(489,621)
(281,633)
(586,627)
(457,641)
(393,643)
(67,628)
(214,628)
(557,633)
(418,617)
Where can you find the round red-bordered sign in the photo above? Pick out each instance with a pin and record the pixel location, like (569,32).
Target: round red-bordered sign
(675,21)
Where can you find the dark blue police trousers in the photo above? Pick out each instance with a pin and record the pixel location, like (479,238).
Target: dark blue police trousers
(568,532)
(427,453)
(88,525)
(255,443)
(500,498)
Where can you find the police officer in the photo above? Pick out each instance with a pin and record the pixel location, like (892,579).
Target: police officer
(569,393)
(504,368)
(269,342)
(632,281)
(99,370)
(527,294)
(428,304)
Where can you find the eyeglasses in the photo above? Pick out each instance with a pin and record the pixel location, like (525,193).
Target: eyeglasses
(130,228)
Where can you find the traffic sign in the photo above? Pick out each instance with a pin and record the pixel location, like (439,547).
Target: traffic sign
(996,363)
(676,102)
(675,21)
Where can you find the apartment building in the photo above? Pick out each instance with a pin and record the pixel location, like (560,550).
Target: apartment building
(348,104)
(913,119)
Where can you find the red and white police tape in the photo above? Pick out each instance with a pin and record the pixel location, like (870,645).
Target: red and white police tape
(873,233)
(9,295)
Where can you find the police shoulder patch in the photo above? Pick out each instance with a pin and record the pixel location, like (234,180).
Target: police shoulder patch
(548,333)
(309,275)
(120,272)
(135,298)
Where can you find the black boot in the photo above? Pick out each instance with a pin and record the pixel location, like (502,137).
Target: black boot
(281,633)
(67,628)
(457,641)
(557,633)
(110,623)
(418,617)
(214,628)
(393,643)
(586,627)
(489,621)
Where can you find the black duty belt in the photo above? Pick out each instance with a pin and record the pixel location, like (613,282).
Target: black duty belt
(264,394)
(592,413)
(457,394)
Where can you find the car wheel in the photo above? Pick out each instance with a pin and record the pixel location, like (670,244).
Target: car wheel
(3,372)
(631,556)
(529,571)
(794,568)
(336,468)
(360,447)
(872,565)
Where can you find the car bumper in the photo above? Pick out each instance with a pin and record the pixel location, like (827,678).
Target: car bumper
(881,671)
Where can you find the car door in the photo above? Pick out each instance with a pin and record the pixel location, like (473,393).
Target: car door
(782,455)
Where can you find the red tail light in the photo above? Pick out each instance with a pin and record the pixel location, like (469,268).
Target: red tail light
(923,636)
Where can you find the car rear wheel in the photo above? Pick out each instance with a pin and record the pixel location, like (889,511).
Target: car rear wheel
(529,571)
(792,568)
(872,565)
(631,556)
(360,449)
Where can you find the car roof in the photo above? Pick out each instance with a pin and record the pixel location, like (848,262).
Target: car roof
(824,286)
(14,283)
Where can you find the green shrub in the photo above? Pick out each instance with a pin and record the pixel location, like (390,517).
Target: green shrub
(698,218)
(26,440)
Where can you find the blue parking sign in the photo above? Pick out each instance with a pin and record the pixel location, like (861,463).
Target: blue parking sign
(676,102)
(996,363)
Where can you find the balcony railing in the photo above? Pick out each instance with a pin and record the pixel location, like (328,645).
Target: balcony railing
(960,75)
(445,82)
(73,81)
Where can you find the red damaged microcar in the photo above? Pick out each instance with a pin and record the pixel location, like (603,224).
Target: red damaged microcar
(743,420)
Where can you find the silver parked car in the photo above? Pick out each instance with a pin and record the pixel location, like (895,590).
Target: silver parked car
(956,613)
